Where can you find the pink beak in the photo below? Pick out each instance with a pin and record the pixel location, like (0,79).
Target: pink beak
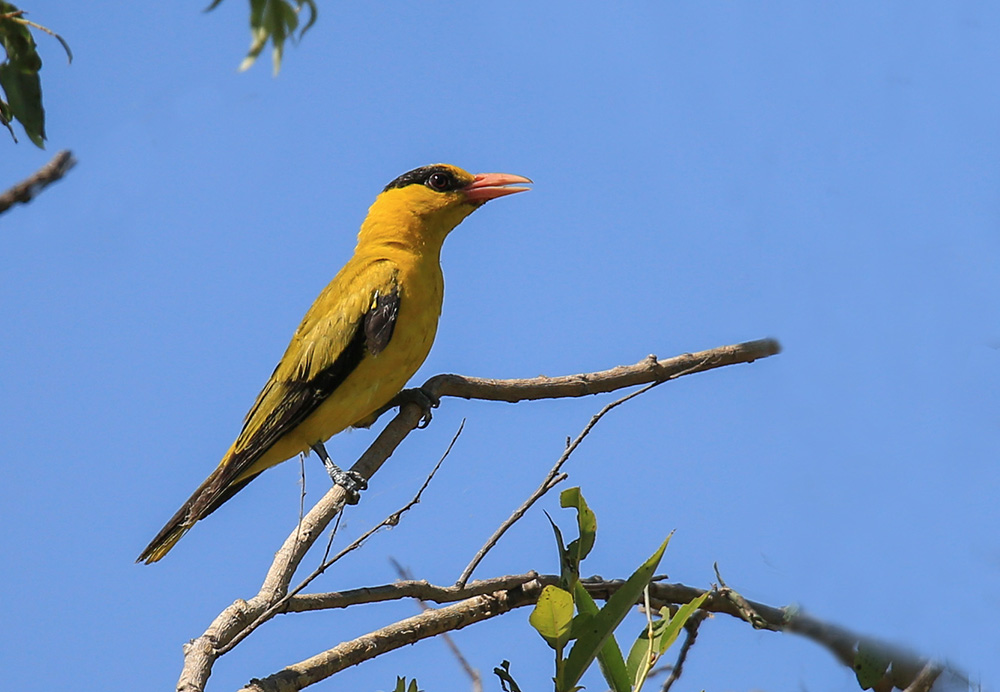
(487,186)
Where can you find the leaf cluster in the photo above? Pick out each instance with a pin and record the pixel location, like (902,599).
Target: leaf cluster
(19,80)
(402,686)
(567,614)
(274,21)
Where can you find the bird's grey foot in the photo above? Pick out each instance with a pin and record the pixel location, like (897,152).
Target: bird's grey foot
(351,481)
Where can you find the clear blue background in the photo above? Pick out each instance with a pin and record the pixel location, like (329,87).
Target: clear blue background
(706,173)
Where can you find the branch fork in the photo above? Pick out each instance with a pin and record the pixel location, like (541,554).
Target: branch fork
(240,618)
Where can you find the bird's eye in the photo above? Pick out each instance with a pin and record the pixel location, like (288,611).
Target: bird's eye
(439,181)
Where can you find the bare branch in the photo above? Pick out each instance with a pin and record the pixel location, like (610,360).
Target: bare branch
(419,589)
(430,623)
(26,190)
(840,641)
(525,589)
(645,371)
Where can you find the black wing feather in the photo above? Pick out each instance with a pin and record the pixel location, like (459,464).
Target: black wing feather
(372,333)
(381,320)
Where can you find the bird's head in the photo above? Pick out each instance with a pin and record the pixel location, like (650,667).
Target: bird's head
(439,197)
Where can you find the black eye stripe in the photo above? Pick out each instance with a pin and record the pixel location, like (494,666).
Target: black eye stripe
(423,176)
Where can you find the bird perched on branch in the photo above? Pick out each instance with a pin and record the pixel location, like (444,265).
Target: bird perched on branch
(359,343)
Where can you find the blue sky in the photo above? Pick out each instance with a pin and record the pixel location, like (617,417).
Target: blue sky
(706,173)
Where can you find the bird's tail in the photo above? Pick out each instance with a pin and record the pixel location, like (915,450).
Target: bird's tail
(164,541)
(209,496)
(203,501)
(179,524)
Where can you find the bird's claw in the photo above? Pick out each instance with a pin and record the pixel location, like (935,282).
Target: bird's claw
(423,398)
(351,481)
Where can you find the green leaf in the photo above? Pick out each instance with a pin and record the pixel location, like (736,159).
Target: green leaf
(17,40)
(401,685)
(645,651)
(684,613)
(281,21)
(24,98)
(567,575)
(5,117)
(286,16)
(274,21)
(604,623)
(258,33)
(870,664)
(586,522)
(582,622)
(257,8)
(19,73)
(19,76)
(312,15)
(553,615)
(609,658)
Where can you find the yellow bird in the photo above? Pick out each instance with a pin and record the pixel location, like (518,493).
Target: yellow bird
(359,343)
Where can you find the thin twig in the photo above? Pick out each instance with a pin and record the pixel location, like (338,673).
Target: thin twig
(26,190)
(302,495)
(547,484)
(329,541)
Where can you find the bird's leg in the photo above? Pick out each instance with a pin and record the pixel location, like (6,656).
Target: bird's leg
(351,481)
